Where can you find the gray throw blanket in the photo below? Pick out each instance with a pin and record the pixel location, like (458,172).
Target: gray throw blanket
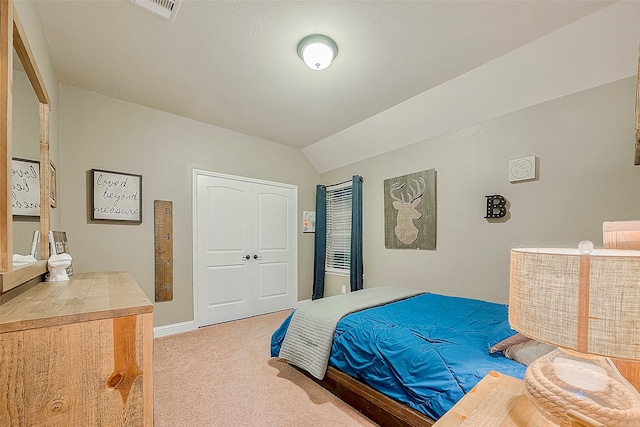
(307,343)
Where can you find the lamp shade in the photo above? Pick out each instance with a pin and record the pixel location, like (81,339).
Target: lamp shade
(586,302)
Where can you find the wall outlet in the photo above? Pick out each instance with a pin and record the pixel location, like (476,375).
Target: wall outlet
(344,289)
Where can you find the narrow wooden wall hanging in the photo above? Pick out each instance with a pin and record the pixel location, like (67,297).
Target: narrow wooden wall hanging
(637,160)
(163,241)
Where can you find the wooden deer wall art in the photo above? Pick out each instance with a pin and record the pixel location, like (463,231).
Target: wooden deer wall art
(410,211)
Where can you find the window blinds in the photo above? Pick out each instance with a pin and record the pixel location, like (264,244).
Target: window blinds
(339,228)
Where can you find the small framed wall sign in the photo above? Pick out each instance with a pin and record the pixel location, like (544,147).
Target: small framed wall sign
(116,196)
(308,221)
(522,169)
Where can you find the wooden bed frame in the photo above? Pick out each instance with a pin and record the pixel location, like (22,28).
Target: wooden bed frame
(376,406)
(388,412)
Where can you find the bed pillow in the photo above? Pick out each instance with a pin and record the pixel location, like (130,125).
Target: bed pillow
(503,336)
(527,352)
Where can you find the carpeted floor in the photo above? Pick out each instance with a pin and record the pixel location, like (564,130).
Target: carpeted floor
(223,375)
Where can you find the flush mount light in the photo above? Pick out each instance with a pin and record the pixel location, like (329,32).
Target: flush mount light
(317,51)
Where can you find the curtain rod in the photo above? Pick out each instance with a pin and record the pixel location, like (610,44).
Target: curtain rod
(344,182)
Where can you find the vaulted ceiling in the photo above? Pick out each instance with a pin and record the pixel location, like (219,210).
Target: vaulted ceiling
(234,64)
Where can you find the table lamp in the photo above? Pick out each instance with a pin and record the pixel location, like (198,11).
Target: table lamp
(587,303)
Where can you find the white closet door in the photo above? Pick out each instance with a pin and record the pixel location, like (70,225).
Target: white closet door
(245,249)
(274,247)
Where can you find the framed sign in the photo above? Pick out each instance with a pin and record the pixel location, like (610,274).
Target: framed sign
(308,222)
(25,187)
(116,196)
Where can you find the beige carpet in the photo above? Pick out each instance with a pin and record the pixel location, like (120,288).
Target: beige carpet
(223,375)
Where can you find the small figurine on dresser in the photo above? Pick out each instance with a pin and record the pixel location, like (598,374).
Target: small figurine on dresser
(58,245)
(57,265)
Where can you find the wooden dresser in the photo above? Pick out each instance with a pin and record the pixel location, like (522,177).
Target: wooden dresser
(77,353)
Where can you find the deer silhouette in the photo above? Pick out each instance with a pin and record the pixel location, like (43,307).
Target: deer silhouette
(407,212)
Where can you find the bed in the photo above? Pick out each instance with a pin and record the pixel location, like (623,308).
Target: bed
(395,384)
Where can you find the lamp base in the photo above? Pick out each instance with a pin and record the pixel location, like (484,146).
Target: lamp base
(564,385)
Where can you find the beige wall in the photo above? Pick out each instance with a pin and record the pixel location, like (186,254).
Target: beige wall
(585,143)
(104,133)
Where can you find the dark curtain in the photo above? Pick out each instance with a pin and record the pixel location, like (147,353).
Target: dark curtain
(320,248)
(356,266)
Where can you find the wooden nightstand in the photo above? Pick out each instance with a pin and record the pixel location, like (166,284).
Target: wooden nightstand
(497,400)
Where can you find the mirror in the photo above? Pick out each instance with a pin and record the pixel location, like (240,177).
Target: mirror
(25,173)
(12,34)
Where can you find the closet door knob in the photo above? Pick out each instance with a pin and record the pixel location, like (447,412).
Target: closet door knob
(257,257)
(247,257)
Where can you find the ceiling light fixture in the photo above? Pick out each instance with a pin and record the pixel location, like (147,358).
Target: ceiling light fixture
(317,51)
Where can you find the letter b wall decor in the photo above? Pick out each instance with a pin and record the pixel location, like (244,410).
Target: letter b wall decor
(496,206)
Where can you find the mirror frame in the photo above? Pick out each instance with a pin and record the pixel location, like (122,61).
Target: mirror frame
(12,36)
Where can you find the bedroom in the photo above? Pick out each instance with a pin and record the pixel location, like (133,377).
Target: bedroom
(583,138)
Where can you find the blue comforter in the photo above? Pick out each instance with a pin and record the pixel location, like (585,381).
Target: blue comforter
(426,351)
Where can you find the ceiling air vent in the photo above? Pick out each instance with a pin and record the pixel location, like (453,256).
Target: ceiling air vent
(166,9)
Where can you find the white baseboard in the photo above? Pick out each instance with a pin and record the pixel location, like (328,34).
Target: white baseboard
(176,328)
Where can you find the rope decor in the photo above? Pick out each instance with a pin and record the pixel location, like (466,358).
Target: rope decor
(546,390)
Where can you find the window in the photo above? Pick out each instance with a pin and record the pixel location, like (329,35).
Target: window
(339,229)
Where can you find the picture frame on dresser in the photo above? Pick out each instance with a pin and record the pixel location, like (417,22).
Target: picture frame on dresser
(116,196)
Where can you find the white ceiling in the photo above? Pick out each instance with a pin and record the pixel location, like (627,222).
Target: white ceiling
(234,64)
